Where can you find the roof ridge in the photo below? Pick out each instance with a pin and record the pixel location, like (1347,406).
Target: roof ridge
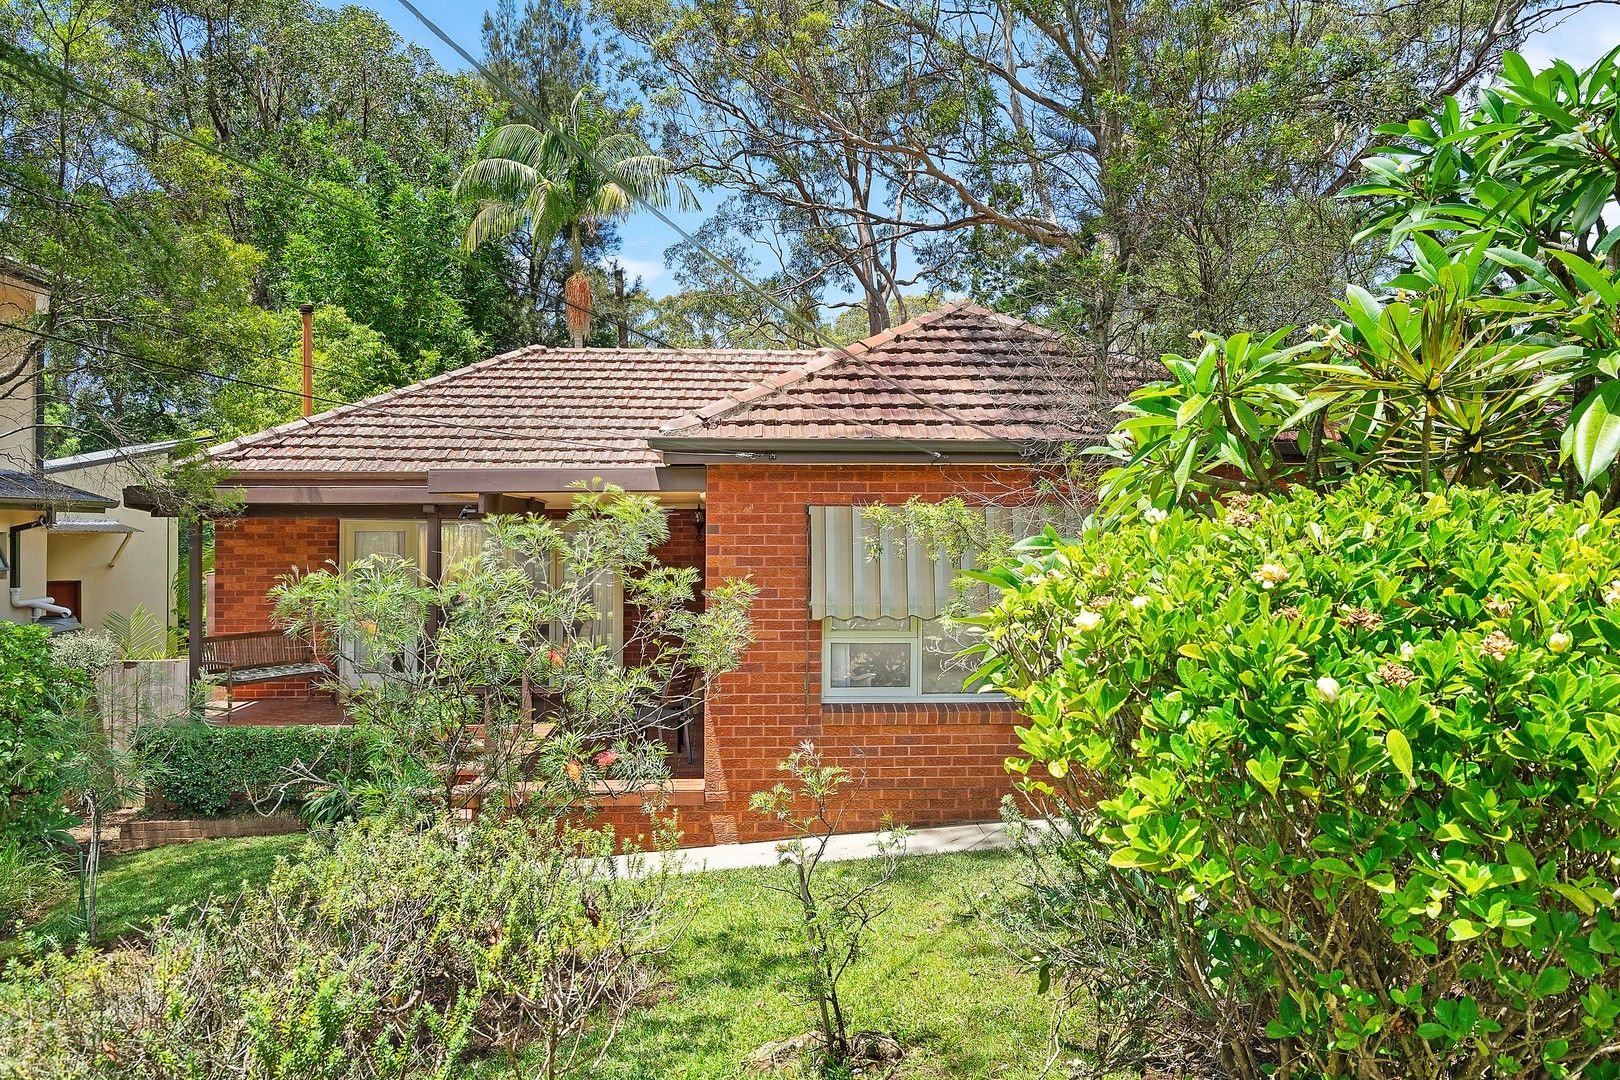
(831,356)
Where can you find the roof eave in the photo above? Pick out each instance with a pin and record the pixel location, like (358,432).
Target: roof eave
(87,504)
(698,449)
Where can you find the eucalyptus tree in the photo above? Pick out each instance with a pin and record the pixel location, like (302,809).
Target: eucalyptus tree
(572,179)
(1129,169)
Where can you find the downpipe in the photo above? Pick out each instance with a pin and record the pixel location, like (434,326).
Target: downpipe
(42,605)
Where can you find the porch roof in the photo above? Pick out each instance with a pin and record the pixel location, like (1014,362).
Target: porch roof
(29,491)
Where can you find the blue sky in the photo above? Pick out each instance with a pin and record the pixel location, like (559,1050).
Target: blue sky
(1580,38)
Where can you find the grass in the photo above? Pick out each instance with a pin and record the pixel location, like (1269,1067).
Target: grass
(139,888)
(934,978)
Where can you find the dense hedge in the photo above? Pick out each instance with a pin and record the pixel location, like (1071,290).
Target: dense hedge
(35,692)
(202,767)
(1363,751)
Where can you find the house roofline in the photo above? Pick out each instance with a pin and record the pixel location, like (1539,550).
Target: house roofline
(683,450)
(113,454)
(16,268)
(831,357)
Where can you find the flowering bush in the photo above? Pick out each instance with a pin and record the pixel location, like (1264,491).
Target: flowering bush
(1361,751)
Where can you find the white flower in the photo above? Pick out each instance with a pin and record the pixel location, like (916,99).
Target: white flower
(1328,688)
(1588,303)
(1559,642)
(1154,515)
(1333,336)
(1270,575)
(1139,602)
(1611,593)
(1088,620)
(1408,651)
(1120,440)
(1404,167)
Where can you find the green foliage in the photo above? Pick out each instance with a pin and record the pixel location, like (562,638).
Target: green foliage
(1492,358)
(140,635)
(382,952)
(30,881)
(521,688)
(574,177)
(1360,750)
(203,767)
(35,694)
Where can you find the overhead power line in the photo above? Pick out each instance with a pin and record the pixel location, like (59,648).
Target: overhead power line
(725,265)
(30,64)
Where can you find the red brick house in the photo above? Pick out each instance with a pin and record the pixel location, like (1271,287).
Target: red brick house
(760,457)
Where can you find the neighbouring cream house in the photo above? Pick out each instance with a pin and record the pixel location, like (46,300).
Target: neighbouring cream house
(70,552)
(116,561)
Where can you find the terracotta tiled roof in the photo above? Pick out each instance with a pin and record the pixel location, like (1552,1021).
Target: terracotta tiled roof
(961,373)
(535,407)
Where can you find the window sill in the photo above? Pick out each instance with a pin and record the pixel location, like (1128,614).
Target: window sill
(931,699)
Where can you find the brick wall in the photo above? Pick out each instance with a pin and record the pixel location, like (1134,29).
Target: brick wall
(252,555)
(927,764)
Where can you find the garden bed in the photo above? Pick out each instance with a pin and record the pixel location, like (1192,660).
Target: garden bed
(935,978)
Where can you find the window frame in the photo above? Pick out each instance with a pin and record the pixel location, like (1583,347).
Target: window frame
(912,693)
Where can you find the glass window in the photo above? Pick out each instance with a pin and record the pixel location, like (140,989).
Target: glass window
(893,659)
(871,664)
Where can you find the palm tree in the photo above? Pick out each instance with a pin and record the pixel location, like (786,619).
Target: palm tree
(571,178)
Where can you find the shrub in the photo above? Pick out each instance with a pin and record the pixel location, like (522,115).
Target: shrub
(521,635)
(1362,751)
(386,954)
(202,767)
(35,692)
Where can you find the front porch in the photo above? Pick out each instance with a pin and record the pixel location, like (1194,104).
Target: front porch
(683,750)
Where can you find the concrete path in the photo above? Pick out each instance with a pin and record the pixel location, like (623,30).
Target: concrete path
(987,837)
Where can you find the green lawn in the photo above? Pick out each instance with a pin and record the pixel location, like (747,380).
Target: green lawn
(138,888)
(934,977)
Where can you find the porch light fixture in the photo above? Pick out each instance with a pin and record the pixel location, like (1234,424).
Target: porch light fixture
(699,518)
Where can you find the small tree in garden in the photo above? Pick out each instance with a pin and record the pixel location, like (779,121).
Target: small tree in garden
(835,916)
(95,775)
(1357,755)
(503,679)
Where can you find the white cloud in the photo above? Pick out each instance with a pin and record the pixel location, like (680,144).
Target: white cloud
(648,270)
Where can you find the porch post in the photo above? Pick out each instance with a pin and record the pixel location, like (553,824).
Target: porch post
(194,597)
(435,559)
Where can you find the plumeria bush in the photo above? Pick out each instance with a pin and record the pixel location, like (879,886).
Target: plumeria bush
(1360,752)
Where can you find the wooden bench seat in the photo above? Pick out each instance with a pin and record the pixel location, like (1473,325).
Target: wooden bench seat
(256,657)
